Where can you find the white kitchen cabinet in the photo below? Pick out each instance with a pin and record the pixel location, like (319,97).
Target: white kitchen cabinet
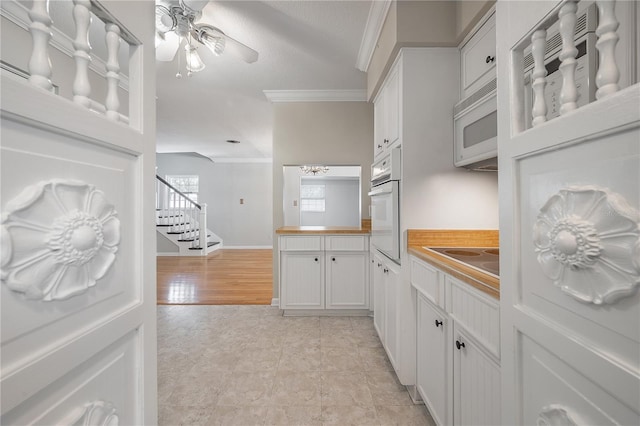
(478,56)
(346,280)
(386,284)
(302,278)
(433,359)
(457,348)
(387,114)
(319,272)
(476,383)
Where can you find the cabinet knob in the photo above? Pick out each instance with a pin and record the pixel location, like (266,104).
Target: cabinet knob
(386,141)
(379,265)
(379,146)
(459,344)
(316,259)
(333,259)
(438,323)
(490,59)
(385,270)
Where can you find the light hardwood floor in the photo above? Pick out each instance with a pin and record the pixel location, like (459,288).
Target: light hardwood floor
(224,277)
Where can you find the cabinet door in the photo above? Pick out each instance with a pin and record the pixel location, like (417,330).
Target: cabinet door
(432,378)
(378,125)
(392,108)
(346,285)
(391,284)
(378,298)
(478,57)
(302,280)
(476,383)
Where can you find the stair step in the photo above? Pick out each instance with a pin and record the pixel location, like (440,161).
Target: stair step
(209,244)
(188,240)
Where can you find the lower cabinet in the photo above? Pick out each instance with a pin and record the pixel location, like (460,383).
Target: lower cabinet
(457,350)
(314,277)
(386,283)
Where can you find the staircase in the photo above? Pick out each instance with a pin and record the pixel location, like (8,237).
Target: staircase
(181,223)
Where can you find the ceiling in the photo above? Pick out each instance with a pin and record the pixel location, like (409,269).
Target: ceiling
(303,45)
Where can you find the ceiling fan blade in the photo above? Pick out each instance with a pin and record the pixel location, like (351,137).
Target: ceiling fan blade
(239,50)
(167,49)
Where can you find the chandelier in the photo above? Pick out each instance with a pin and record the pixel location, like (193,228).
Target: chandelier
(314,170)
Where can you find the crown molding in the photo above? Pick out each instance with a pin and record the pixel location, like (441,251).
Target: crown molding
(355,95)
(375,21)
(19,15)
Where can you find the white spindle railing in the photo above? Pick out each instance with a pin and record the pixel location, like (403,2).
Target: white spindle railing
(112,102)
(607,76)
(40,69)
(538,42)
(40,29)
(181,215)
(569,92)
(82,56)
(608,73)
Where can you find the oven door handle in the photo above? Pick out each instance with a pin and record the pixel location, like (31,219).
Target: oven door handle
(385,188)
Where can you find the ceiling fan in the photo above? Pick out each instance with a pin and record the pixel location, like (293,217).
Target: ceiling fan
(175,23)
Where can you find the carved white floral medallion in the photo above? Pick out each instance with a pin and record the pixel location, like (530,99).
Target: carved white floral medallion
(554,415)
(96,413)
(58,238)
(588,242)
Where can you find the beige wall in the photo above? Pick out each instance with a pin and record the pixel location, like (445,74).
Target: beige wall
(339,133)
(421,24)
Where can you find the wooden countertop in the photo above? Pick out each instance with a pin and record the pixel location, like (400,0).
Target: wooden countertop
(297,230)
(420,240)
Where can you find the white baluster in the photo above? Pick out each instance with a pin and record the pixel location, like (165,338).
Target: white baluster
(569,92)
(40,28)
(608,73)
(81,85)
(539,111)
(113,71)
(202,237)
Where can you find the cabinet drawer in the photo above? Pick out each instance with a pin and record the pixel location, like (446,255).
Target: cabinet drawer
(428,281)
(346,243)
(476,312)
(301,243)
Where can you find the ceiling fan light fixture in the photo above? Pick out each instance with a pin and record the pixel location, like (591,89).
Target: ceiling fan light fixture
(194,63)
(214,43)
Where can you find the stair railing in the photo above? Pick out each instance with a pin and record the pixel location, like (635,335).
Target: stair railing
(184,216)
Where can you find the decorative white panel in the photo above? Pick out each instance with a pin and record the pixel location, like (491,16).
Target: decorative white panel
(578,241)
(98,413)
(58,239)
(561,390)
(477,313)
(588,242)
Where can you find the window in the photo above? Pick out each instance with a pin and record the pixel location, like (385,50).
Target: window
(312,198)
(187,184)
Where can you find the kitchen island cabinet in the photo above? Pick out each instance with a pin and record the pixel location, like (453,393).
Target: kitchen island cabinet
(324,273)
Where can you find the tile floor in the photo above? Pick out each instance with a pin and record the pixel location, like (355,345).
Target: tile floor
(248,365)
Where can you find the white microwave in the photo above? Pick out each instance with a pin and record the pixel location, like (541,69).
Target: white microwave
(475,121)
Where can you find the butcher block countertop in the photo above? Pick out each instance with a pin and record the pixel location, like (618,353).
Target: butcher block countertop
(419,241)
(298,230)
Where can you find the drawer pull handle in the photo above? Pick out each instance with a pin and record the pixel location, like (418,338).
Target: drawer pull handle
(490,59)
(438,323)
(459,344)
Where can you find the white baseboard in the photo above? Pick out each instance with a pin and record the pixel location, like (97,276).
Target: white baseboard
(275,301)
(169,254)
(247,247)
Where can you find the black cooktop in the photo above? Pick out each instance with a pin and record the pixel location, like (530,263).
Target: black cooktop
(482,258)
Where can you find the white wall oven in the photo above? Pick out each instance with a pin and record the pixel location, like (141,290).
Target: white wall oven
(385,205)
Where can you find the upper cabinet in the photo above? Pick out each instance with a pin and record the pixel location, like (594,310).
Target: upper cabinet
(478,56)
(387,114)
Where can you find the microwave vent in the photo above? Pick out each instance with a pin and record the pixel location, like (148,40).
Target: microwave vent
(555,42)
(474,97)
